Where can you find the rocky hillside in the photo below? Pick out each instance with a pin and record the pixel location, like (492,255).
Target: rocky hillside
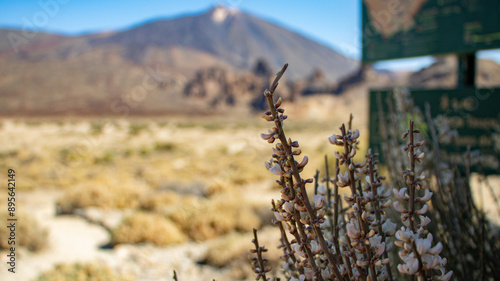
(210,60)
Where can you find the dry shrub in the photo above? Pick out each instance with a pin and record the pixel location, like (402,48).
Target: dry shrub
(218,186)
(147,227)
(231,251)
(29,233)
(157,201)
(82,272)
(210,218)
(103,193)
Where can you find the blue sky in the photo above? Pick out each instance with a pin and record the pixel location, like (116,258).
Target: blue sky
(335,23)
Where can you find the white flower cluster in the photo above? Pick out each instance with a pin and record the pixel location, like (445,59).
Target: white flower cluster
(418,255)
(368,228)
(323,240)
(416,249)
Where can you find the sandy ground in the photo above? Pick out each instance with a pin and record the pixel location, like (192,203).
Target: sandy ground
(74,239)
(71,239)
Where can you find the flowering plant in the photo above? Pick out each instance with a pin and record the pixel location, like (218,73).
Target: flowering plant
(321,239)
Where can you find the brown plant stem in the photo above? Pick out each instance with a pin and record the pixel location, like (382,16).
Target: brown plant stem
(362,226)
(336,209)
(334,263)
(347,261)
(411,210)
(352,253)
(374,186)
(411,178)
(259,250)
(286,242)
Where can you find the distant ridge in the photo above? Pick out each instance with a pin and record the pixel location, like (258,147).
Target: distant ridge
(236,38)
(90,73)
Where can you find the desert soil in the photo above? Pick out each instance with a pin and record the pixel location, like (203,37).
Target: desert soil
(74,239)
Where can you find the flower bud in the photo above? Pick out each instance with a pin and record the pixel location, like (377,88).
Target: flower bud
(398,207)
(288,207)
(355,135)
(352,153)
(278,103)
(303,163)
(318,201)
(278,216)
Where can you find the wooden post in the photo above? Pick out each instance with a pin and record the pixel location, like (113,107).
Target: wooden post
(466,70)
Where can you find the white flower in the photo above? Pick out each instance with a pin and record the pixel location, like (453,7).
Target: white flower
(385,204)
(322,189)
(269,135)
(304,162)
(409,267)
(343,269)
(430,261)
(404,234)
(298,252)
(315,248)
(352,230)
(343,179)
(423,245)
(426,196)
(424,221)
(318,201)
(389,228)
(332,139)
(309,273)
(445,277)
(401,194)
(423,210)
(275,169)
(436,249)
(288,207)
(325,273)
(398,207)
(386,194)
(376,242)
(367,179)
(278,216)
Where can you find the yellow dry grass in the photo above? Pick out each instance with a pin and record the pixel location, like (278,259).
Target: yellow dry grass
(28,232)
(148,227)
(82,272)
(189,172)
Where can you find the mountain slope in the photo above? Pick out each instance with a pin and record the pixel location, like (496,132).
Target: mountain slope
(157,67)
(236,38)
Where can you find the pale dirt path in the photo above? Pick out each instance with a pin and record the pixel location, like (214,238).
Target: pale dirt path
(71,239)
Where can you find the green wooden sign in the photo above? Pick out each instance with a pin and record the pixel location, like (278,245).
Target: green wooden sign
(401,28)
(473,113)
